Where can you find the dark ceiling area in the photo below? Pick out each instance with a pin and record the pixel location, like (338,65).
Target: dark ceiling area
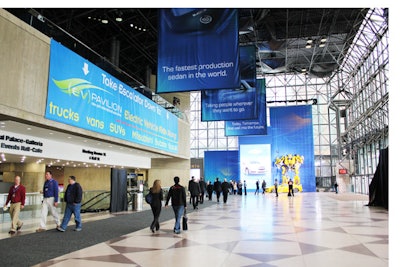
(124,41)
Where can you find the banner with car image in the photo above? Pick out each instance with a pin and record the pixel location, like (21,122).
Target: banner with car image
(82,95)
(251,127)
(198,49)
(238,103)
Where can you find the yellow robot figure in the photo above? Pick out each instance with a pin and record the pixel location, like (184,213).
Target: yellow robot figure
(298,162)
(288,163)
(279,163)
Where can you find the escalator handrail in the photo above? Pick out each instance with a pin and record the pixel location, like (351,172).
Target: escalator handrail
(108,193)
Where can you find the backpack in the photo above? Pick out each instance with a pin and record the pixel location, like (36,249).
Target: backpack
(148,198)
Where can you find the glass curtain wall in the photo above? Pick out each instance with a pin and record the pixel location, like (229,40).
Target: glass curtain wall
(361,97)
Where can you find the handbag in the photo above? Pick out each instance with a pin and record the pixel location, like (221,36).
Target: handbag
(184,221)
(148,198)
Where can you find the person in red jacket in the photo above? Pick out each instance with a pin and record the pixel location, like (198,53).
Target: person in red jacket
(16,195)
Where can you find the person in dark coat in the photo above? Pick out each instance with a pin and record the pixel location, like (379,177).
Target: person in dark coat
(217,188)
(240,188)
(263,186)
(177,194)
(257,188)
(157,197)
(290,183)
(194,189)
(209,190)
(73,198)
(225,189)
(202,184)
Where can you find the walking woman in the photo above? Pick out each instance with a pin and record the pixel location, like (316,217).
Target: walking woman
(157,193)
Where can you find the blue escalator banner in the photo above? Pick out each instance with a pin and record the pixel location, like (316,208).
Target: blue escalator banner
(238,103)
(82,95)
(251,127)
(198,49)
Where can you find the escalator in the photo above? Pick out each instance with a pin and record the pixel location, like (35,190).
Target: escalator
(101,202)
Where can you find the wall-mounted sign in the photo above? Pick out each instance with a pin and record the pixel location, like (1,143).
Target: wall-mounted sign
(82,95)
(20,144)
(342,171)
(25,145)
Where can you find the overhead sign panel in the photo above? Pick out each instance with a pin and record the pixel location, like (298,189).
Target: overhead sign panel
(251,127)
(82,95)
(33,146)
(237,103)
(198,49)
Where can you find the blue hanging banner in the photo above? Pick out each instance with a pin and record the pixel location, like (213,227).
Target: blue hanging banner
(251,127)
(238,103)
(82,95)
(198,49)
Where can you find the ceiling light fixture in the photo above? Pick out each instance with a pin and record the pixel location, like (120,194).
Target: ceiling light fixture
(119,19)
(308,46)
(104,21)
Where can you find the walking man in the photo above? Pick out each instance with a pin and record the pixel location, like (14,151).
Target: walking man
(225,190)
(16,195)
(217,188)
(73,198)
(177,194)
(257,187)
(50,201)
(290,183)
(194,189)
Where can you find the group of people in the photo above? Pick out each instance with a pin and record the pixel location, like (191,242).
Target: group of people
(72,197)
(225,188)
(177,195)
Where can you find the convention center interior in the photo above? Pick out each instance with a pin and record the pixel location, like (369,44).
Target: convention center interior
(261,134)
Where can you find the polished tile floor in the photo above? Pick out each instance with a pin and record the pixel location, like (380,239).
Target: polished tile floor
(308,230)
